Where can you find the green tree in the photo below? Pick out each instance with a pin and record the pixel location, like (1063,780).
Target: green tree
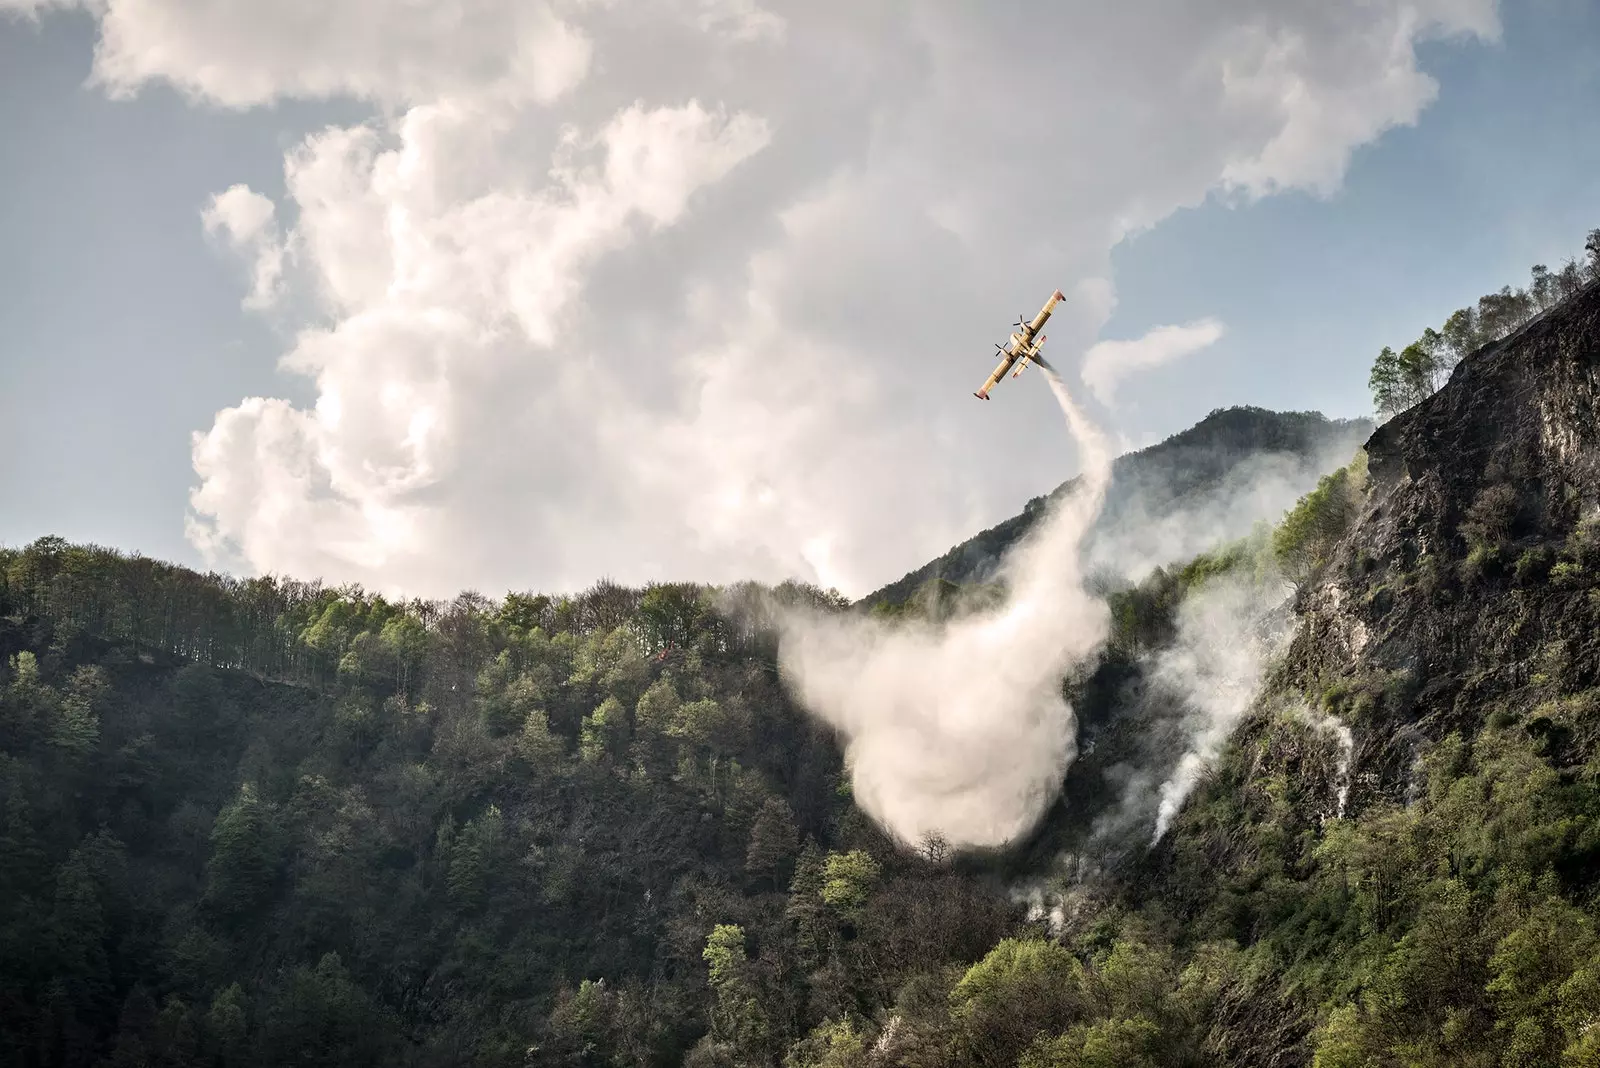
(605,732)
(322,1018)
(473,857)
(582,1022)
(773,840)
(653,719)
(1533,967)
(1311,531)
(831,1044)
(228,1024)
(1424,363)
(1113,1043)
(739,1017)
(614,664)
(848,880)
(25,702)
(1020,991)
(246,854)
(1460,333)
(507,696)
(1542,288)
(1387,382)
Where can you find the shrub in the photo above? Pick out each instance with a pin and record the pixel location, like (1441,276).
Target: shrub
(1533,566)
(1307,536)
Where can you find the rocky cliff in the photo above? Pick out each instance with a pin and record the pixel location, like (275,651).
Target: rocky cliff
(1466,586)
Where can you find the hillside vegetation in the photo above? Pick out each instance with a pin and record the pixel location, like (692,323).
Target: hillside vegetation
(251,823)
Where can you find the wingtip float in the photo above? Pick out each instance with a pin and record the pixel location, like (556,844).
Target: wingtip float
(1022,348)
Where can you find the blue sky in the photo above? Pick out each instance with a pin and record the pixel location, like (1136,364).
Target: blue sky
(1500,174)
(124,333)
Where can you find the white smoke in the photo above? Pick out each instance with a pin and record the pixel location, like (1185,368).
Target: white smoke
(1044,906)
(1144,529)
(960,727)
(1228,631)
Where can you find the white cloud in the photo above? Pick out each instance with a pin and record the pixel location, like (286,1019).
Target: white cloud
(701,289)
(740,19)
(1290,73)
(1108,362)
(249,222)
(240,53)
(437,302)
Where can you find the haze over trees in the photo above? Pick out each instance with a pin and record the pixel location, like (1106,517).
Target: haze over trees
(267,822)
(1402,379)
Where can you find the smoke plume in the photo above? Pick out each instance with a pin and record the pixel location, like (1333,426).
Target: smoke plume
(1145,526)
(960,728)
(1190,695)
(1227,633)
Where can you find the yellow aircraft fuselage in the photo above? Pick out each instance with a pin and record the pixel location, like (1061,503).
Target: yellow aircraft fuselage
(1021,346)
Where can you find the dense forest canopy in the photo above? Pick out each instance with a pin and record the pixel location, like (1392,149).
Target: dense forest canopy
(265,822)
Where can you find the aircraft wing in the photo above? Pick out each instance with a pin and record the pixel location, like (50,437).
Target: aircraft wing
(999,372)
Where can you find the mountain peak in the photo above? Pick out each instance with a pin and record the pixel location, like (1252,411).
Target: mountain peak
(1205,472)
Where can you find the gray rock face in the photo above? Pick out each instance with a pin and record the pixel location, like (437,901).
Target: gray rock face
(1467,584)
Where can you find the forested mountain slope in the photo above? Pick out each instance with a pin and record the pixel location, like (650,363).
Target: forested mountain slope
(268,823)
(1431,897)
(1173,499)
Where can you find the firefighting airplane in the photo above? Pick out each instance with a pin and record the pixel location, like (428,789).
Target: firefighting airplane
(1022,346)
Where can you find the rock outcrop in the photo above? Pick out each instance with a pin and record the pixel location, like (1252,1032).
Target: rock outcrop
(1467,584)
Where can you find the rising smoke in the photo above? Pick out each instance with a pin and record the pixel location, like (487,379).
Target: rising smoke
(1329,726)
(1143,528)
(960,728)
(1191,694)
(1228,631)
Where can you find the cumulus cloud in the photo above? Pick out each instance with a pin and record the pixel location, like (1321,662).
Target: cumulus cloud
(1278,68)
(247,221)
(1108,362)
(701,288)
(238,53)
(436,300)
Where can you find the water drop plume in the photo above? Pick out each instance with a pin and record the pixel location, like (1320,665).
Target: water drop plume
(960,727)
